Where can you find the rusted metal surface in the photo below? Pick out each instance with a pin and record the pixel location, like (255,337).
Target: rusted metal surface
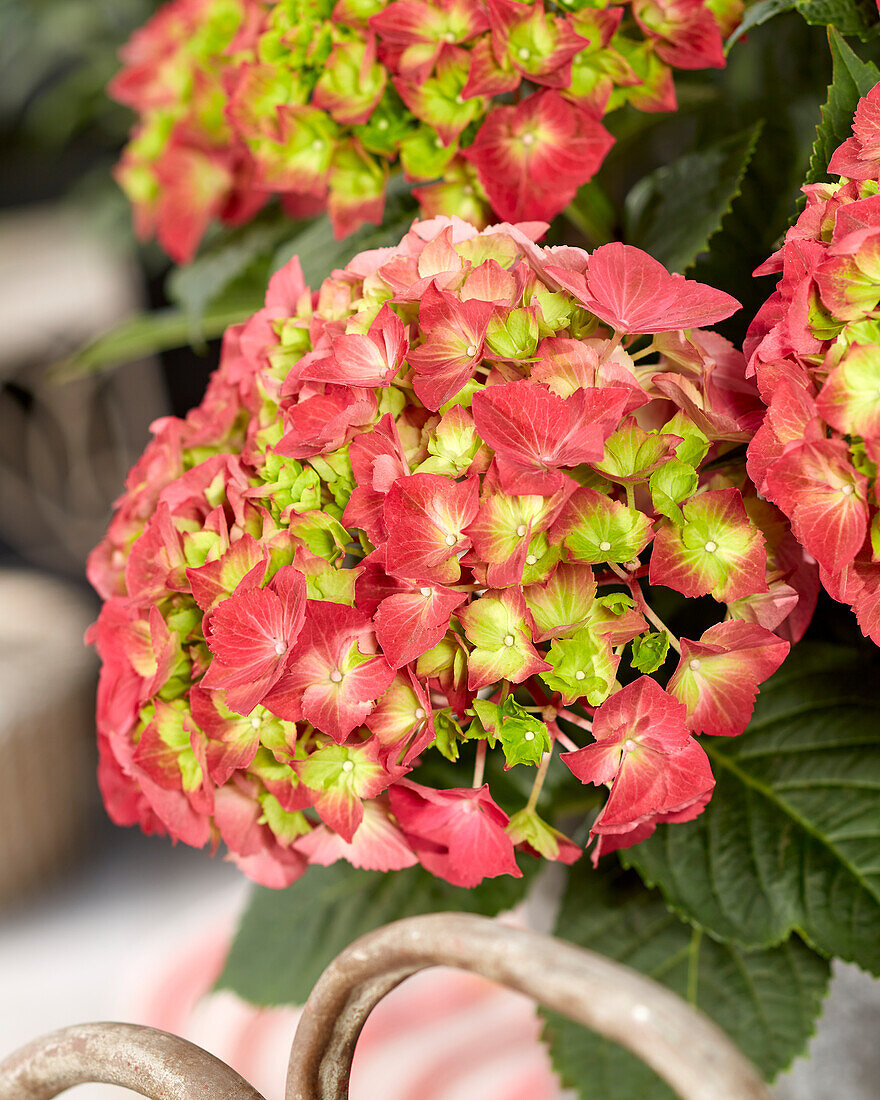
(150,1062)
(681,1044)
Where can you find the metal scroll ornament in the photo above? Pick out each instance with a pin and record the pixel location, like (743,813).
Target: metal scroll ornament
(684,1047)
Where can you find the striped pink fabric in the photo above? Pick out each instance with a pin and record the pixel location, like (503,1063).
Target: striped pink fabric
(443,1035)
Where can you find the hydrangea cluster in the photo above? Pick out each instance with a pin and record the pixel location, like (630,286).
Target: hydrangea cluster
(421,513)
(814,349)
(487,103)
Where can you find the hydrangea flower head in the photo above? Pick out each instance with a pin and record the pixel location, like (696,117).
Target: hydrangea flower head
(813,349)
(490,105)
(419,515)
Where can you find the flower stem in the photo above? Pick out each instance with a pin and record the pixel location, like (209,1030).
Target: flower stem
(565,741)
(637,355)
(643,605)
(480,764)
(575,719)
(611,346)
(539,781)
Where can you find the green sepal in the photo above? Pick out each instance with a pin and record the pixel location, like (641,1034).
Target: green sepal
(423,154)
(487,721)
(674,482)
(448,734)
(286,826)
(514,336)
(649,651)
(527,827)
(524,738)
(584,667)
(694,444)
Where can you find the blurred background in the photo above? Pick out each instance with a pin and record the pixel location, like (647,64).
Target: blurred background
(102,923)
(85,908)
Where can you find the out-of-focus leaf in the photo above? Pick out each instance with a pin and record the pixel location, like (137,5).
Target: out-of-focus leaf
(674,212)
(199,284)
(850,17)
(287,937)
(320,253)
(143,335)
(756,15)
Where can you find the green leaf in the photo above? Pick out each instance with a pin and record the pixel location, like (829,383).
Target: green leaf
(592,212)
(756,15)
(780,76)
(766,1000)
(852,78)
(673,212)
(320,253)
(287,937)
(146,334)
(791,838)
(197,285)
(849,17)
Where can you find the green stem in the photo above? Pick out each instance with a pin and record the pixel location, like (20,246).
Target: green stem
(643,605)
(539,781)
(693,973)
(480,764)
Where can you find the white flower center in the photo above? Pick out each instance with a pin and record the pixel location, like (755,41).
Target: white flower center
(847,490)
(528,139)
(255,723)
(580,675)
(471,350)
(317,144)
(420,713)
(451,540)
(710,547)
(426,591)
(382,124)
(696,664)
(509,639)
(530,736)
(629,744)
(280,647)
(531,560)
(604,545)
(348,766)
(521,530)
(523,54)
(336,676)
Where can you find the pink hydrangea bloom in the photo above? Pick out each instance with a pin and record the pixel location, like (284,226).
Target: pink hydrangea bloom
(417,515)
(813,350)
(315,102)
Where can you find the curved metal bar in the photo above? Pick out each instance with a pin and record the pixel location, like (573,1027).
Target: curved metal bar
(143,1059)
(682,1045)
